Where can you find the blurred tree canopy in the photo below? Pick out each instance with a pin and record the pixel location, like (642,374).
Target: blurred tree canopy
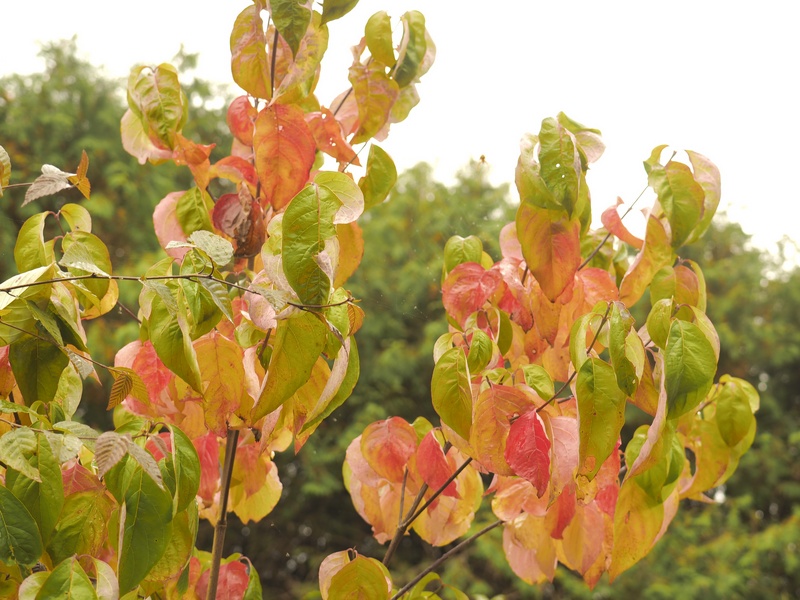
(746,547)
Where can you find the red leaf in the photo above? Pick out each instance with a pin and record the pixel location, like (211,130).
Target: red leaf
(433,466)
(285,152)
(207,447)
(387,447)
(241,118)
(612,221)
(466,288)
(77,478)
(528,450)
(232,583)
(329,136)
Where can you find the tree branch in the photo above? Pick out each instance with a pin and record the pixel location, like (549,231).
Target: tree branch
(444,557)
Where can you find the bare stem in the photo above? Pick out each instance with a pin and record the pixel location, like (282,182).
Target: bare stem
(444,557)
(222,522)
(194,277)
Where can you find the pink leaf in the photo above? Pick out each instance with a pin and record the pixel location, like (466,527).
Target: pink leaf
(467,287)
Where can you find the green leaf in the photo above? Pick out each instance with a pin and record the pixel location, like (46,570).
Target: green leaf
(451,392)
(680,196)
(145,529)
(379,178)
(690,365)
(218,249)
(378,34)
(637,526)
(16,448)
(37,367)
(560,164)
(480,351)
(539,379)
(361,578)
(47,321)
(291,19)
(344,391)
(20,542)
(69,581)
(375,95)
(307,225)
(186,466)
(44,496)
(5,169)
(171,340)
(204,313)
(601,410)
(335,9)
(193,212)
(737,400)
(627,357)
(579,333)
(85,253)
(179,549)
(412,49)
(298,343)
(77,217)
(459,250)
(82,526)
(346,192)
(30,250)
(156,96)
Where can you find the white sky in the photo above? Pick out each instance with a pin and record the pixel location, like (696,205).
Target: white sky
(717,77)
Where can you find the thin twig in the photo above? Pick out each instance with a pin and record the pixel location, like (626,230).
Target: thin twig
(625,214)
(274,60)
(222,522)
(194,277)
(444,557)
(441,489)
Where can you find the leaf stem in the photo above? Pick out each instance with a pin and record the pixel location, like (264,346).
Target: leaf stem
(222,522)
(444,557)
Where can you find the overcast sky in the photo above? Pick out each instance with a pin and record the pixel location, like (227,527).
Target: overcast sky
(720,78)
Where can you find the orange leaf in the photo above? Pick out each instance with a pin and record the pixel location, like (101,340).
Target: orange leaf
(551,246)
(79,179)
(612,221)
(241,117)
(329,136)
(285,152)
